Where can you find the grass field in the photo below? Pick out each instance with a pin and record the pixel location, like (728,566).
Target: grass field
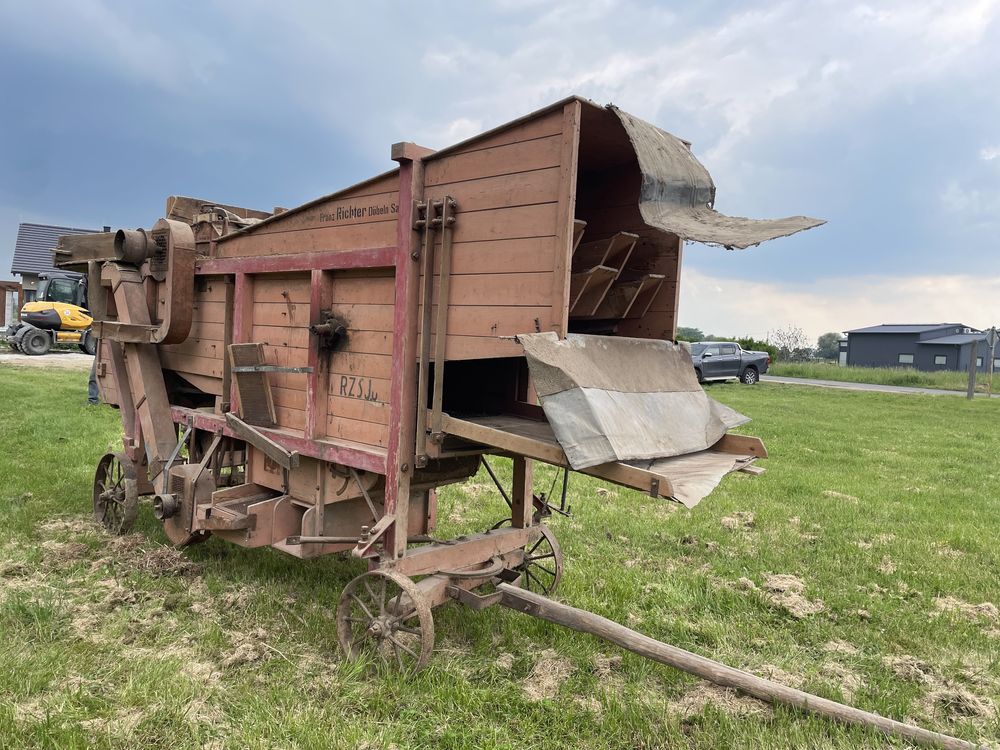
(948,380)
(863,565)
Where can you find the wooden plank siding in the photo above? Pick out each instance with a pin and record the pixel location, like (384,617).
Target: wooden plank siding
(609,203)
(361,366)
(508,188)
(360,217)
(198,359)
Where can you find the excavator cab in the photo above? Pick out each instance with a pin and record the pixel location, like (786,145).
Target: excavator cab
(57,315)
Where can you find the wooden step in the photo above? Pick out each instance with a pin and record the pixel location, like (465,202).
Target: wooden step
(587,289)
(623,295)
(613,252)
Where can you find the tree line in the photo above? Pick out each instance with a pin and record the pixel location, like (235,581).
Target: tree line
(789,344)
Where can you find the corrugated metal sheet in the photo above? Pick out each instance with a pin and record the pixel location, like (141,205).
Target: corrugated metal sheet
(906,328)
(958,339)
(35,243)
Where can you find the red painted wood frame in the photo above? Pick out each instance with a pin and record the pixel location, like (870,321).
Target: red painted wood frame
(403,387)
(397,463)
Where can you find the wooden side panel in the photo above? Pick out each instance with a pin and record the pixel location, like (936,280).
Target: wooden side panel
(507,240)
(362,217)
(285,339)
(361,366)
(199,358)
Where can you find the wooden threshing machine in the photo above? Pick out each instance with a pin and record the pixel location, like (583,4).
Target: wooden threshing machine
(305,379)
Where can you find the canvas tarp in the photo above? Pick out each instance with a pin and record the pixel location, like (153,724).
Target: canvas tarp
(678,195)
(611,398)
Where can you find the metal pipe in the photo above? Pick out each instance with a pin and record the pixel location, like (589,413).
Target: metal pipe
(133,246)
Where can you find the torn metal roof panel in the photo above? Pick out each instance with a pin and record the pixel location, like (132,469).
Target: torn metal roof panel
(678,194)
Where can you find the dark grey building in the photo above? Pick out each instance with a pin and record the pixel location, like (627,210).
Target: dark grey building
(33,253)
(931,346)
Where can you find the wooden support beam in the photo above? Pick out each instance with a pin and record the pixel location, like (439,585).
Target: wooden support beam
(275,451)
(522,493)
(582,621)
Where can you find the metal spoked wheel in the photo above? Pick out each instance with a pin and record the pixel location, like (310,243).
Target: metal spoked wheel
(384,613)
(116,493)
(542,568)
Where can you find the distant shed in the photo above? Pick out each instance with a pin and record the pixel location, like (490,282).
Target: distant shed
(922,346)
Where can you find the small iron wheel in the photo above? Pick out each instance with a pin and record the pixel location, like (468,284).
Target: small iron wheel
(116,493)
(542,568)
(385,613)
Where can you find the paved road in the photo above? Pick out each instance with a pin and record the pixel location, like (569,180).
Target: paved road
(864,386)
(55,360)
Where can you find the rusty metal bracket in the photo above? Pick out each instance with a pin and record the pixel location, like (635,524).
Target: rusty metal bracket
(364,492)
(165,473)
(370,536)
(482,601)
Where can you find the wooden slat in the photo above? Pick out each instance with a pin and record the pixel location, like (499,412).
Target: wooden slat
(286,289)
(644,299)
(289,398)
(588,288)
(210,385)
(207,331)
(256,402)
(351,209)
(506,223)
(208,312)
(499,289)
(369,433)
(489,162)
(526,254)
(613,252)
(363,317)
(291,419)
(196,347)
(623,296)
(359,409)
(280,314)
(377,234)
(504,191)
(362,365)
(210,289)
(536,127)
(376,288)
(187,363)
(291,336)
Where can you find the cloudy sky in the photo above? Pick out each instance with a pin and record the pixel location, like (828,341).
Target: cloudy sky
(883,118)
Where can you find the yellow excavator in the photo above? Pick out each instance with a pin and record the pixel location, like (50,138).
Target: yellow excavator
(58,315)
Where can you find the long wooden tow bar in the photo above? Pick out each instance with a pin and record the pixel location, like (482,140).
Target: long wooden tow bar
(536,605)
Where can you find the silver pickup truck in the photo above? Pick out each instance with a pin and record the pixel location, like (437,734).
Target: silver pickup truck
(722,360)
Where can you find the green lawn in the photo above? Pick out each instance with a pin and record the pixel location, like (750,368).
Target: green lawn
(948,380)
(863,565)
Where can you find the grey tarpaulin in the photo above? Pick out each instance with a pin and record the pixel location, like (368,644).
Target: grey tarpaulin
(611,398)
(677,194)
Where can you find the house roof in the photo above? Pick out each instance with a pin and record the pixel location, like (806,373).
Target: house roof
(906,327)
(958,339)
(35,243)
